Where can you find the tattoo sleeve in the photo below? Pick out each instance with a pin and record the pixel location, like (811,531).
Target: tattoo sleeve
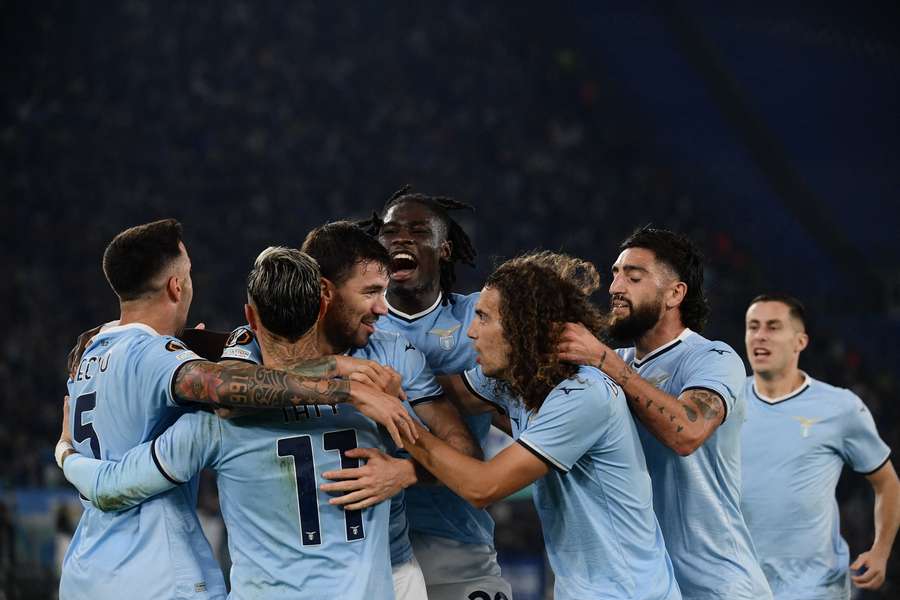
(706,404)
(317,368)
(254,386)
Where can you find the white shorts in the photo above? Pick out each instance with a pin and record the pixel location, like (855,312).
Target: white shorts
(457,571)
(408,581)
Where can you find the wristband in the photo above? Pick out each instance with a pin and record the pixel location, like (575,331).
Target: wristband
(61,447)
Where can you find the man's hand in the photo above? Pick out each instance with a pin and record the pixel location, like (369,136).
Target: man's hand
(64,445)
(65,435)
(371,373)
(875,567)
(380,478)
(579,346)
(74,357)
(385,410)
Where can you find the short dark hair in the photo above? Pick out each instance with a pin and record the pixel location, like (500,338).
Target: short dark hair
(137,255)
(680,254)
(795,308)
(339,246)
(461,247)
(284,287)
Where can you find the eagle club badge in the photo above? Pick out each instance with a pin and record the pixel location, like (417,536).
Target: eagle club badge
(446,339)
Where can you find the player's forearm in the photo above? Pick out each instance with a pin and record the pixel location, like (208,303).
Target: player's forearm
(470,478)
(324,367)
(116,486)
(81,472)
(887,515)
(460,439)
(444,421)
(254,386)
(676,424)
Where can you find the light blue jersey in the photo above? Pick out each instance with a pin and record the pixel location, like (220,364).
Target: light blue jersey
(417,381)
(794,448)
(120,397)
(595,504)
(285,540)
(440,333)
(697,497)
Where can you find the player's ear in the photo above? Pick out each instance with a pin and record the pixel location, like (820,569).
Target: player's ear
(802,341)
(677,292)
(173,289)
(251,316)
(446,250)
(328,290)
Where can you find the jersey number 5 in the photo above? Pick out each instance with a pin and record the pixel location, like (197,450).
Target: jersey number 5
(301,450)
(83,431)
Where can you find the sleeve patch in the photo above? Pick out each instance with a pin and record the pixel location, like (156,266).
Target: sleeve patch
(239,337)
(239,353)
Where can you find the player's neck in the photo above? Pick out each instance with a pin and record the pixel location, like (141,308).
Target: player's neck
(279,353)
(147,314)
(665,330)
(412,302)
(325,344)
(776,385)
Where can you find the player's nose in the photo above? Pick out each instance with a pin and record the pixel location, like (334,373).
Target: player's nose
(380,307)
(615,285)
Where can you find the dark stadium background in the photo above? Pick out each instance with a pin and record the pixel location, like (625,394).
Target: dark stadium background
(768,132)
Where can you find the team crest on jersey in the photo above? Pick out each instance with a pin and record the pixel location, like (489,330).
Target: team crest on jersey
(446,339)
(657,381)
(173,346)
(805,424)
(240,337)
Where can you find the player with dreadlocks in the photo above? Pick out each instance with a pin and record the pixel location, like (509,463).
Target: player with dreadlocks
(452,540)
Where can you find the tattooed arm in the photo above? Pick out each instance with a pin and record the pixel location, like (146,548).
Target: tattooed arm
(248,385)
(681,423)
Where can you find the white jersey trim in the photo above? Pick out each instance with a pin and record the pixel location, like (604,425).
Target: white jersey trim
(542,454)
(783,397)
(657,351)
(163,469)
(418,315)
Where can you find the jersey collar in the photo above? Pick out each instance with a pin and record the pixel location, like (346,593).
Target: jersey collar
(110,328)
(418,315)
(793,394)
(663,349)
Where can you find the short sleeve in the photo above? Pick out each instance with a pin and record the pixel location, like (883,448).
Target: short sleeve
(192,443)
(419,381)
(862,447)
(242,345)
(487,389)
(717,368)
(571,420)
(160,358)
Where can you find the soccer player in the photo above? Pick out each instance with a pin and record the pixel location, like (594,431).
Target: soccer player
(687,394)
(799,434)
(575,437)
(131,382)
(284,538)
(453,541)
(355,304)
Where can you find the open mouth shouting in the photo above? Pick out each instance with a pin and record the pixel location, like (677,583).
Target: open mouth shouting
(761,353)
(403,265)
